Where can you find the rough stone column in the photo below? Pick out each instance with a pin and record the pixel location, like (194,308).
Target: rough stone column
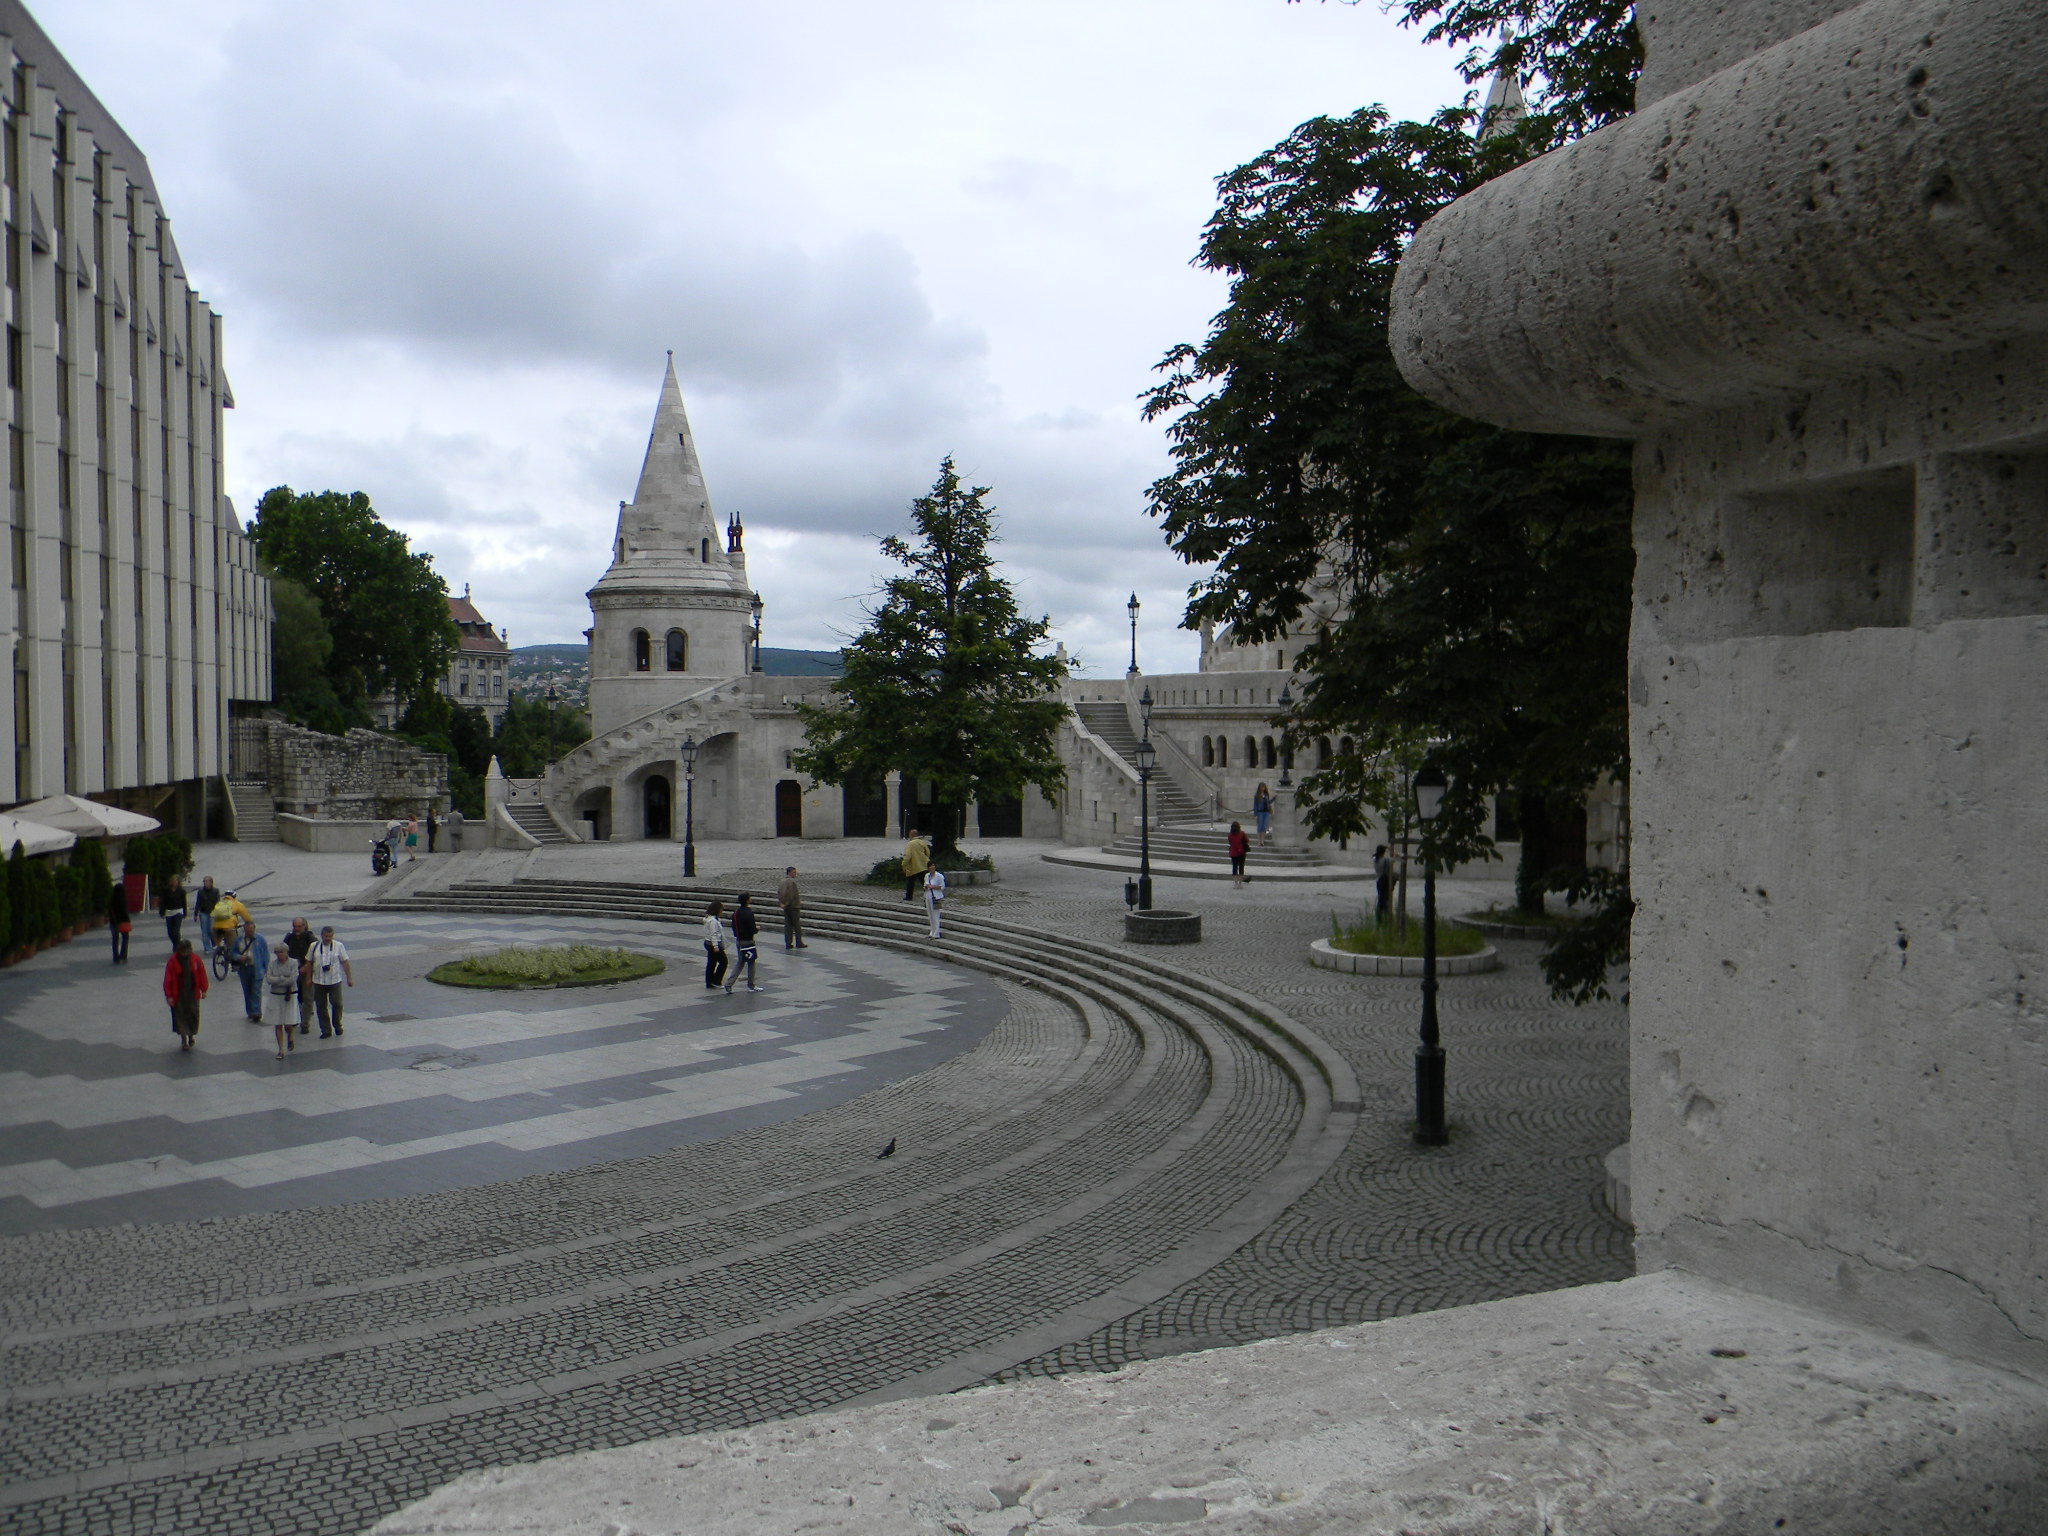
(892,789)
(1810,279)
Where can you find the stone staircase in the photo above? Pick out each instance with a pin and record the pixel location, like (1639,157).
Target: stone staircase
(255,811)
(1206,844)
(536,823)
(1113,724)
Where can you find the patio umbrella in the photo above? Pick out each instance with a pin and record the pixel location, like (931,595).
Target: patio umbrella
(86,818)
(33,836)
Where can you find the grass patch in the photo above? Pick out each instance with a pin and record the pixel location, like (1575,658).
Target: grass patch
(890,871)
(1387,939)
(546,965)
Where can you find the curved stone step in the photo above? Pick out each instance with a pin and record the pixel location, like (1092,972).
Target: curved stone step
(340,1369)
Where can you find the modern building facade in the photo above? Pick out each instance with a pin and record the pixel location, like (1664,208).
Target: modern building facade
(134,614)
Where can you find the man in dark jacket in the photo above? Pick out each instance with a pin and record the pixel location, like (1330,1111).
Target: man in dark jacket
(746,929)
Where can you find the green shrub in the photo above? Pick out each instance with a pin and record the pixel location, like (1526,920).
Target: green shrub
(20,919)
(890,871)
(159,856)
(546,965)
(1386,938)
(42,901)
(89,858)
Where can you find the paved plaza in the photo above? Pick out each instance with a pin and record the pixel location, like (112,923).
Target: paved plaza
(481,1228)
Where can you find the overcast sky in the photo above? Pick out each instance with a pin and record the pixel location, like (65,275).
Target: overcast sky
(452,239)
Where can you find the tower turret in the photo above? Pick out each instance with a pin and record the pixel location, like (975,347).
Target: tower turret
(671,613)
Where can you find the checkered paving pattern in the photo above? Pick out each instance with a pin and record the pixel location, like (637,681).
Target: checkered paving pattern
(104,1120)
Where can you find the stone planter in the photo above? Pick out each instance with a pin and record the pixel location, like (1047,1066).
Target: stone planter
(1322,952)
(970,877)
(1546,932)
(1160,926)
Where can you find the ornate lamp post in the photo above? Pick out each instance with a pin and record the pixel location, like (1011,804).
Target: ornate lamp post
(688,750)
(1286,742)
(1148,758)
(1132,609)
(757,606)
(1430,1131)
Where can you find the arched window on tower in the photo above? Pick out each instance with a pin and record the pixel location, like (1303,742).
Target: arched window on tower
(1251,751)
(678,651)
(1208,752)
(1272,757)
(642,662)
(704,550)
(1322,751)
(1222,751)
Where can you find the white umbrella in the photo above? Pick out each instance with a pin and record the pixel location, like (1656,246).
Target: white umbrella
(87,818)
(33,836)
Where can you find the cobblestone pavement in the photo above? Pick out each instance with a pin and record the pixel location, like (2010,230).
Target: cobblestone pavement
(309,1369)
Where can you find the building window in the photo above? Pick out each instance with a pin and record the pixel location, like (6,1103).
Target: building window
(1251,751)
(642,662)
(1208,752)
(1322,751)
(1222,752)
(498,684)
(704,550)
(678,651)
(1272,757)
(463,686)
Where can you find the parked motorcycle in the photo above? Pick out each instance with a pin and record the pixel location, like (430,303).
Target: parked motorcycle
(380,856)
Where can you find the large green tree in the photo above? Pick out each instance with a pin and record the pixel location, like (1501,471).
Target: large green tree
(949,682)
(301,655)
(385,607)
(1485,573)
(527,729)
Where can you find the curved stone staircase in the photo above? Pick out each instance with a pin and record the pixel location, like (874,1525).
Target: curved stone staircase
(1126,1128)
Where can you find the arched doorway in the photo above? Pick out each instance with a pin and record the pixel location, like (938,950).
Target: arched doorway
(657,801)
(789,808)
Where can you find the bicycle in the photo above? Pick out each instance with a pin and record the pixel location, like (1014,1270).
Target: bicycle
(220,962)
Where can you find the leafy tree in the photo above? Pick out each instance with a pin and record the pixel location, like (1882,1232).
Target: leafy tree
(301,652)
(947,682)
(1485,573)
(459,732)
(521,743)
(385,608)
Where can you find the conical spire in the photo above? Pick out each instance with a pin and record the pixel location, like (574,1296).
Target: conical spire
(668,532)
(1505,106)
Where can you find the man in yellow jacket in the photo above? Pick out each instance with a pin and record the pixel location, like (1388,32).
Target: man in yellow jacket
(917,858)
(228,916)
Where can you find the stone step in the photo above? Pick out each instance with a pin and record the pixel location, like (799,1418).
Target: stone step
(536,823)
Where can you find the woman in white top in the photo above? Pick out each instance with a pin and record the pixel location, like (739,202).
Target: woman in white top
(281,998)
(714,945)
(934,895)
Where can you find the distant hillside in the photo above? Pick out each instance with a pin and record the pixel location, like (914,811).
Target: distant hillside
(775,661)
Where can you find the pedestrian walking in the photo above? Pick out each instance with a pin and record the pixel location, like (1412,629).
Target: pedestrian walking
(412,839)
(119,920)
(174,904)
(1262,811)
(454,826)
(1382,884)
(917,858)
(251,958)
(433,826)
(1239,846)
(185,983)
(280,987)
(204,900)
(746,931)
(714,944)
(934,895)
(791,900)
(298,943)
(330,970)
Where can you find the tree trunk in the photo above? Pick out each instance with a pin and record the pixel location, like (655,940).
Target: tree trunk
(1533,812)
(945,828)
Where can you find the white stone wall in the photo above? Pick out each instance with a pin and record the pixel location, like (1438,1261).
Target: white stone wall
(132,608)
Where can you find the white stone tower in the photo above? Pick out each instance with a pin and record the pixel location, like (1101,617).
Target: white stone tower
(672,614)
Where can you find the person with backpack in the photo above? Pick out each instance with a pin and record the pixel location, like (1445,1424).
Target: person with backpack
(714,944)
(746,929)
(934,895)
(174,904)
(185,984)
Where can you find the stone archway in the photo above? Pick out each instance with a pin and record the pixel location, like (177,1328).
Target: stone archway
(657,806)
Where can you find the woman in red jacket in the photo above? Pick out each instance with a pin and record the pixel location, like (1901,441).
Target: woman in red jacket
(184,985)
(1240,845)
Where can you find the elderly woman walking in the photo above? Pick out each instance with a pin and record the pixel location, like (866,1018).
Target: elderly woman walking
(184,985)
(280,998)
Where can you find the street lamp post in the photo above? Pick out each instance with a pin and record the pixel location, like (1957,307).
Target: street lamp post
(551,725)
(689,754)
(1430,1131)
(757,606)
(1148,757)
(1132,609)
(1286,741)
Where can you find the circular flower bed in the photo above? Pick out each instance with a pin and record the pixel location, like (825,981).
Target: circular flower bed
(546,965)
